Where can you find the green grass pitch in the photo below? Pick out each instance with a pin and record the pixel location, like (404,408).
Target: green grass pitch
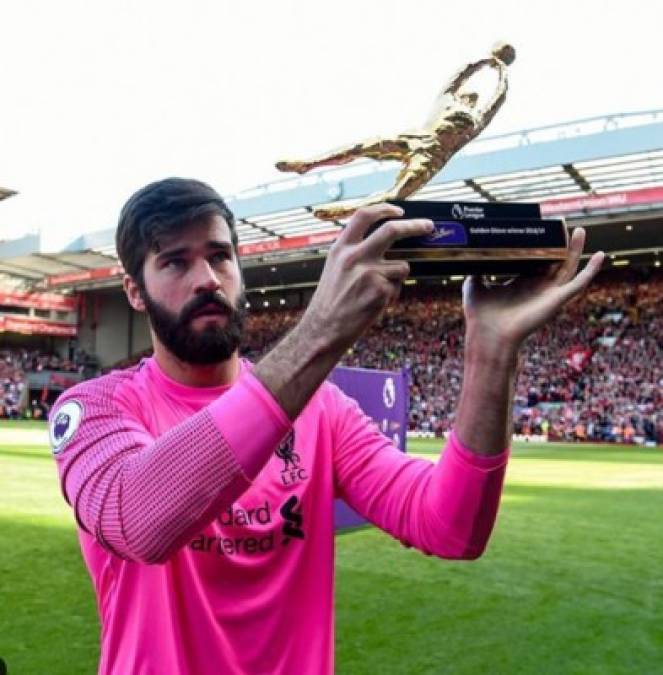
(572,581)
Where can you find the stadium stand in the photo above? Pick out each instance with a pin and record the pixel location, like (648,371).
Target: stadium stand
(12,384)
(595,373)
(31,379)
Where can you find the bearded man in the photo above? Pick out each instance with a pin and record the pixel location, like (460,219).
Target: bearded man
(202,560)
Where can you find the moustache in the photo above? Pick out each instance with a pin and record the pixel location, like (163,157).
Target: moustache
(205,301)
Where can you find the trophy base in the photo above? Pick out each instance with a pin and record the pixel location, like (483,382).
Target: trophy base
(481,238)
(432,269)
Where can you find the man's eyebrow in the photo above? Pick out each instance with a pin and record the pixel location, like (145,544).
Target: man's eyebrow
(183,250)
(226,245)
(173,252)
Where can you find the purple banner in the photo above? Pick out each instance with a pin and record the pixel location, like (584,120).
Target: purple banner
(383,396)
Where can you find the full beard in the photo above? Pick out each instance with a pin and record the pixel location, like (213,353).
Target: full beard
(212,344)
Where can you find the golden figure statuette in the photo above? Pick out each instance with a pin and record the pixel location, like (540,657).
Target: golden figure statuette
(455,120)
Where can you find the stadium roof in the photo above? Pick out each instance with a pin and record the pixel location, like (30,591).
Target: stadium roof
(605,171)
(590,156)
(23,264)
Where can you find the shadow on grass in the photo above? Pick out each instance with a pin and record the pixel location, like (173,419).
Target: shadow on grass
(639,457)
(571,583)
(48,617)
(570,453)
(31,453)
(23,424)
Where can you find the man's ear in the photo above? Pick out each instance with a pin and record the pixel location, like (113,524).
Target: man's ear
(134,296)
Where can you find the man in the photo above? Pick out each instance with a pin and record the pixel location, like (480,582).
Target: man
(203,559)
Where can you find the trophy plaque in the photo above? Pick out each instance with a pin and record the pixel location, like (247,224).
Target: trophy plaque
(480,238)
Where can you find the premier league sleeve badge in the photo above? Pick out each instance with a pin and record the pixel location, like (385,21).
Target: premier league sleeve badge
(63,425)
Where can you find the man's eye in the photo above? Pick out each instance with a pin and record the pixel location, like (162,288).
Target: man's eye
(220,256)
(175,263)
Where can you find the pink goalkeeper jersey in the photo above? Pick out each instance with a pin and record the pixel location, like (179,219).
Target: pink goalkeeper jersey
(206,517)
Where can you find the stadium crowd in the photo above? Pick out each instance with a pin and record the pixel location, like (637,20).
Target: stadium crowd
(12,383)
(14,364)
(595,373)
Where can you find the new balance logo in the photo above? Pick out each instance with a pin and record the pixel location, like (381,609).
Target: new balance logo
(294,520)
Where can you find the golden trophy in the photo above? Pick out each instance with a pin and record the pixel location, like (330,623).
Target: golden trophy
(469,237)
(456,118)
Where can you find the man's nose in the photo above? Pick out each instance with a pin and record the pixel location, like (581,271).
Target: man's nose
(205,278)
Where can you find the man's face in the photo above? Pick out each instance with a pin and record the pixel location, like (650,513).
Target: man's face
(193,293)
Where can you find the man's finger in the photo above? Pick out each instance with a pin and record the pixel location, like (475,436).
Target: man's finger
(378,242)
(569,267)
(582,279)
(362,219)
(395,270)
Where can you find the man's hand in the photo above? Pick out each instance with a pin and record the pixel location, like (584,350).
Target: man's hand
(503,316)
(498,319)
(357,283)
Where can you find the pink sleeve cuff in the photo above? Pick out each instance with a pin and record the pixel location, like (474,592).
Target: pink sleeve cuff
(251,421)
(483,462)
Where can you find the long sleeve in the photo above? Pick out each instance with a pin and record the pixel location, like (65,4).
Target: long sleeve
(447,509)
(143,496)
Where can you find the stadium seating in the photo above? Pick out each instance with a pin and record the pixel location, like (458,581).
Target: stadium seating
(595,373)
(14,364)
